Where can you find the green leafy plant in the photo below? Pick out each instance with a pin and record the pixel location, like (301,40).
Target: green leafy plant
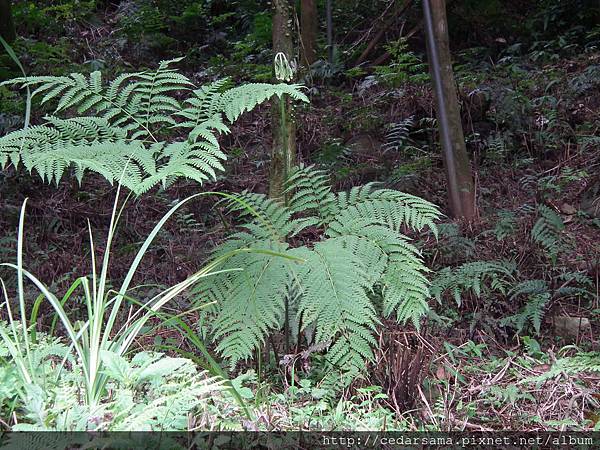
(333,153)
(506,224)
(358,249)
(537,296)
(548,231)
(569,365)
(150,391)
(405,66)
(304,406)
(398,135)
(98,334)
(455,244)
(497,147)
(122,129)
(511,393)
(43,17)
(477,276)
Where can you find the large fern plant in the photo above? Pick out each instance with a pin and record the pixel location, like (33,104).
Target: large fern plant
(122,129)
(354,252)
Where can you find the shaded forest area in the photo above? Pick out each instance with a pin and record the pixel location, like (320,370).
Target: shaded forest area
(339,254)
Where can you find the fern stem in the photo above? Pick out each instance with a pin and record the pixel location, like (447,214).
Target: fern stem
(286,173)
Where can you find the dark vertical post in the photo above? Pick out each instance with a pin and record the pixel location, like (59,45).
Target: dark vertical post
(330,31)
(7,25)
(456,160)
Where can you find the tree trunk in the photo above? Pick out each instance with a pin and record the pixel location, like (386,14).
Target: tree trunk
(7,25)
(329,8)
(283,155)
(461,190)
(309,27)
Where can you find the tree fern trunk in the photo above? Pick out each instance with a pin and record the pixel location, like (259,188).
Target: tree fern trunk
(7,25)
(458,169)
(283,155)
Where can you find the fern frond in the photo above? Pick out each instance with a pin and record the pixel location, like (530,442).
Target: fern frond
(394,264)
(537,298)
(269,218)
(83,144)
(236,101)
(197,161)
(204,104)
(132,112)
(547,231)
(249,302)
(311,191)
(472,276)
(333,283)
(533,311)
(569,365)
(398,134)
(506,225)
(127,162)
(385,207)
(134,102)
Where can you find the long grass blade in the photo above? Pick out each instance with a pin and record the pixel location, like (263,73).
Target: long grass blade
(16,60)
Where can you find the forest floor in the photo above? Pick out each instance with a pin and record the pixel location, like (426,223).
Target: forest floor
(473,371)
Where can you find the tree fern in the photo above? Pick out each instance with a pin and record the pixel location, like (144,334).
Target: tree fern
(357,250)
(391,261)
(121,129)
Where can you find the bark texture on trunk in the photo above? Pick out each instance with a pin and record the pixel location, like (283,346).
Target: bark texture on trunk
(283,154)
(461,190)
(309,28)
(7,25)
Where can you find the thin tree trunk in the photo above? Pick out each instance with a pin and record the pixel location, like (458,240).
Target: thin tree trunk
(458,169)
(283,155)
(309,27)
(7,25)
(329,7)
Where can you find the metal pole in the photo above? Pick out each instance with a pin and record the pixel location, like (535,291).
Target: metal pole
(444,127)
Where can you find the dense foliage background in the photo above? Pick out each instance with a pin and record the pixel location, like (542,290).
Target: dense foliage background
(502,331)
